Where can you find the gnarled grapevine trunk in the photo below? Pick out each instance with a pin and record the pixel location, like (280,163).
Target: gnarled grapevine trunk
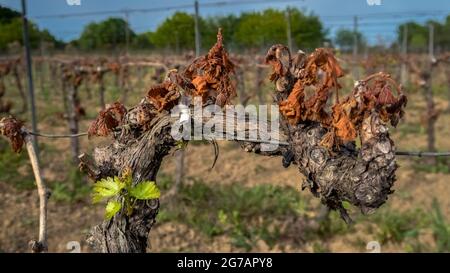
(317,142)
(143,155)
(362,177)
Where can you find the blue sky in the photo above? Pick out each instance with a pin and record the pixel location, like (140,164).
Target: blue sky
(334,13)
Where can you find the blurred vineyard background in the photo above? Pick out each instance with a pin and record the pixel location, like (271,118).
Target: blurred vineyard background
(249,203)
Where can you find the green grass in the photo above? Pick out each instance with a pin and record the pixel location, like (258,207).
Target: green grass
(330,226)
(15,168)
(73,189)
(398,226)
(442,166)
(441,229)
(407,128)
(245,214)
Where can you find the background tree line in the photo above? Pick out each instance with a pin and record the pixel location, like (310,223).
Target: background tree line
(249,30)
(252,30)
(11,31)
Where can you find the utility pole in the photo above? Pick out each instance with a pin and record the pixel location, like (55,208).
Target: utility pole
(181,154)
(355,46)
(197,30)
(355,37)
(127,31)
(288,28)
(26,43)
(431,107)
(431,41)
(403,73)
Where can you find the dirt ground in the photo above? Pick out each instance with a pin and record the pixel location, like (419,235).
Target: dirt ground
(70,221)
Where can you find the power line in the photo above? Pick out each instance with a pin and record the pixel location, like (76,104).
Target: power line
(282,143)
(159,9)
(387,14)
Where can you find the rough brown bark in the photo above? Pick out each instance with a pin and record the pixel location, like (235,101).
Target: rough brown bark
(143,154)
(73,121)
(240,78)
(125,83)
(20,89)
(363,177)
(101,87)
(448,88)
(432,113)
(5,106)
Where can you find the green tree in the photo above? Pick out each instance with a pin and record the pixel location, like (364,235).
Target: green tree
(108,34)
(417,39)
(228,24)
(418,35)
(345,39)
(307,30)
(6,15)
(143,40)
(176,32)
(11,30)
(441,34)
(262,29)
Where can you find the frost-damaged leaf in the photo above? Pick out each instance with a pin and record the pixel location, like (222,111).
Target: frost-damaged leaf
(274,58)
(12,129)
(112,208)
(163,96)
(106,188)
(371,96)
(344,129)
(211,75)
(308,71)
(324,60)
(144,114)
(320,71)
(145,190)
(114,67)
(379,97)
(107,120)
(292,107)
(5,68)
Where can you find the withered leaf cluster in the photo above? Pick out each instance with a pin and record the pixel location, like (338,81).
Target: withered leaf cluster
(107,120)
(163,96)
(12,129)
(297,107)
(211,75)
(275,58)
(320,71)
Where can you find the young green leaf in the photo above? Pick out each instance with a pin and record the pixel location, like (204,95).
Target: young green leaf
(111,209)
(107,187)
(127,177)
(145,190)
(181,144)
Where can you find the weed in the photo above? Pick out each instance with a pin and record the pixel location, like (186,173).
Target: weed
(245,214)
(15,168)
(74,188)
(441,229)
(397,226)
(441,166)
